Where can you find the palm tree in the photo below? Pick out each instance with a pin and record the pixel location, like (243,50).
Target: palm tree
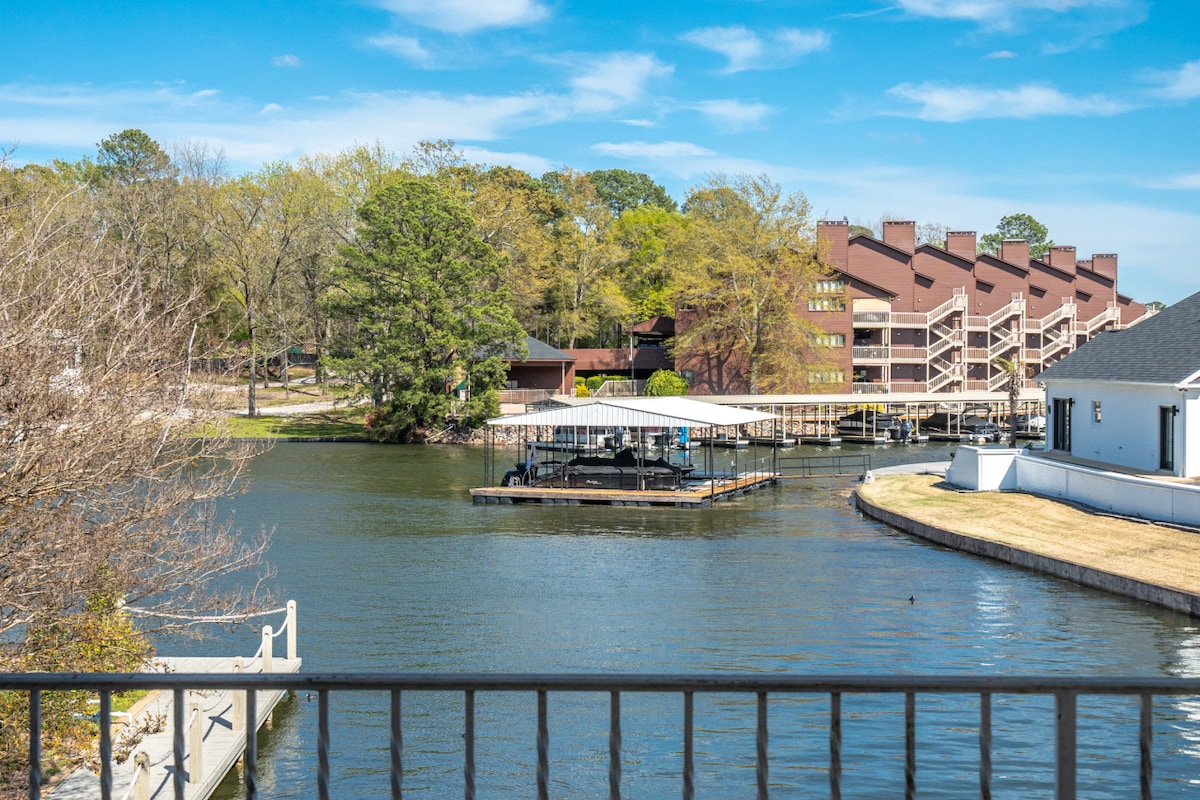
(1014,372)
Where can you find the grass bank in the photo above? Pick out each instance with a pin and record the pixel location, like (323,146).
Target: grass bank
(341,423)
(1154,554)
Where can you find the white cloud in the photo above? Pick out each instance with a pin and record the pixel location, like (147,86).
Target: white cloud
(467,16)
(615,80)
(652,150)
(1001,54)
(286,61)
(1179,84)
(1185,181)
(1003,14)
(744,49)
(733,115)
(405,47)
(935,102)
(271,108)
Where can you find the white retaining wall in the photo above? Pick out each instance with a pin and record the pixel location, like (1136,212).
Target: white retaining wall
(992,469)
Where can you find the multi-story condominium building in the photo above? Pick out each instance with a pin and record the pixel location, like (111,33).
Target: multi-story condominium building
(903,317)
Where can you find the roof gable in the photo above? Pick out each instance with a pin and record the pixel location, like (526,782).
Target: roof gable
(1162,349)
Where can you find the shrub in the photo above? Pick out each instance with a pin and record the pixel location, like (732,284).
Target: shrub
(664,383)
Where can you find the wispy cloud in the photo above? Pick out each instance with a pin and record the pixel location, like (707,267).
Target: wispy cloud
(1004,14)
(286,61)
(745,50)
(1186,181)
(937,102)
(1001,54)
(614,81)
(467,16)
(405,47)
(1179,84)
(652,150)
(735,115)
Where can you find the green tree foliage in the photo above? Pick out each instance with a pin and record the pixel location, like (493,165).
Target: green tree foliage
(431,315)
(622,190)
(1018,226)
(665,383)
(749,258)
(583,296)
(644,235)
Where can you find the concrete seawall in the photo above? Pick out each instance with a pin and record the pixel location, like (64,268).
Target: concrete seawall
(1173,599)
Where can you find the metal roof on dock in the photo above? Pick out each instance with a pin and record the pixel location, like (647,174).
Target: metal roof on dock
(638,412)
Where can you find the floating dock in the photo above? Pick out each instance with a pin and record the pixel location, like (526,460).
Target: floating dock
(695,494)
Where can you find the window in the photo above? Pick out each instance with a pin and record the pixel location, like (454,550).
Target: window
(828,376)
(827,304)
(830,287)
(831,340)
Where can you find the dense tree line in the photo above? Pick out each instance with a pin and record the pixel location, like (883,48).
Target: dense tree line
(306,253)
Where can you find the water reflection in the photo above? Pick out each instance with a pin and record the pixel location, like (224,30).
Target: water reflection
(393,568)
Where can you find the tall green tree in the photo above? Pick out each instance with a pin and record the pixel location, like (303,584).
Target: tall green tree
(431,314)
(622,190)
(1018,226)
(748,260)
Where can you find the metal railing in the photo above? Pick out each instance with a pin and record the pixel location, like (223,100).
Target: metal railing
(1065,691)
(855,464)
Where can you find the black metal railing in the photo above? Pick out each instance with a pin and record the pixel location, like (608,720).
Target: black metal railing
(1065,691)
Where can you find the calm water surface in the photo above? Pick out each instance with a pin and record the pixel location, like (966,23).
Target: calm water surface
(393,568)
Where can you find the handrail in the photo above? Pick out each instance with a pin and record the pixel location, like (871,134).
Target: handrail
(1065,690)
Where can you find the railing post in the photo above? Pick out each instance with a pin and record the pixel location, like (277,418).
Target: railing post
(237,699)
(1064,742)
(35,744)
(267,647)
(291,629)
(141,781)
(195,744)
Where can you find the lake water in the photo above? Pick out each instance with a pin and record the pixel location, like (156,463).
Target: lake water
(394,569)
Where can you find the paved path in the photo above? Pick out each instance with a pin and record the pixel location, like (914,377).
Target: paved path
(921,468)
(222,746)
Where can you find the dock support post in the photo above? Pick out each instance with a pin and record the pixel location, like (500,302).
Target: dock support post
(238,703)
(291,629)
(195,744)
(268,640)
(141,782)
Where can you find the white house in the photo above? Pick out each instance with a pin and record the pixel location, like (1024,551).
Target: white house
(1131,398)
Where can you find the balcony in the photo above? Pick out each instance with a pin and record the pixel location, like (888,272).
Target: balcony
(823,707)
(872,319)
(871,355)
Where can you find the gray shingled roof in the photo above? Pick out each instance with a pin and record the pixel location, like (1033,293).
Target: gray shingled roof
(1162,349)
(539,351)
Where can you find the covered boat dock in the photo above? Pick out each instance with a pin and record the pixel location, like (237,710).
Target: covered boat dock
(632,476)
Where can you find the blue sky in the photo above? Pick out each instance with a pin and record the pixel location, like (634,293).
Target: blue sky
(1083,113)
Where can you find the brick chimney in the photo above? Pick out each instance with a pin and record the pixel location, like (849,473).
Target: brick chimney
(1105,264)
(961,244)
(1015,251)
(836,236)
(900,234)
(1062,257)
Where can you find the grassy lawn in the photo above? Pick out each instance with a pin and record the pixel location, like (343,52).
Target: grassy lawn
(1153,553)
(339,422)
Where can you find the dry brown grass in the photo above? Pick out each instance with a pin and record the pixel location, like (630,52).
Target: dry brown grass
(1155,554)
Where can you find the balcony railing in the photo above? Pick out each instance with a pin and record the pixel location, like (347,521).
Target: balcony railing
(871,354)
(761,689)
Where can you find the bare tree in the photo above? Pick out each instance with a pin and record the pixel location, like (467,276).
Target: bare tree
(109,463)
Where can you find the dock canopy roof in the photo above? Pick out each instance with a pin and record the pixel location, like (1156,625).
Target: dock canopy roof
(638,412)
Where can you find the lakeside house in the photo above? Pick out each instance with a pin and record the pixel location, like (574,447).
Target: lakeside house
(1131,398)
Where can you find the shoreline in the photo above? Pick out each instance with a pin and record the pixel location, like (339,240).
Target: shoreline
(1077,555)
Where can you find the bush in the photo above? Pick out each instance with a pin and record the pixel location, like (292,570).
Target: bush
(664,383)
(581,389)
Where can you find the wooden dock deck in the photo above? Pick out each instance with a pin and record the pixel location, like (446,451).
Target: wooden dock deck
(223,742)
(697,493)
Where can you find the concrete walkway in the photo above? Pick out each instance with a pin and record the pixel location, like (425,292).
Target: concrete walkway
(222,744)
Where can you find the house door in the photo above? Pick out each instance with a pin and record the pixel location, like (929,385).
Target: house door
(1062,424)
(1166,438)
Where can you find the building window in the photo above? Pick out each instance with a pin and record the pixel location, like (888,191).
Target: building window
(828,376)
(828,295)
(827,304)
(831,340)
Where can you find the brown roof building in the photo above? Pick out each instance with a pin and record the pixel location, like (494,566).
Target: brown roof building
(904,317)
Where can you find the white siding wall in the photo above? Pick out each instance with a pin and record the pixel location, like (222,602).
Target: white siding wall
(1127,433)
(1189,421)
